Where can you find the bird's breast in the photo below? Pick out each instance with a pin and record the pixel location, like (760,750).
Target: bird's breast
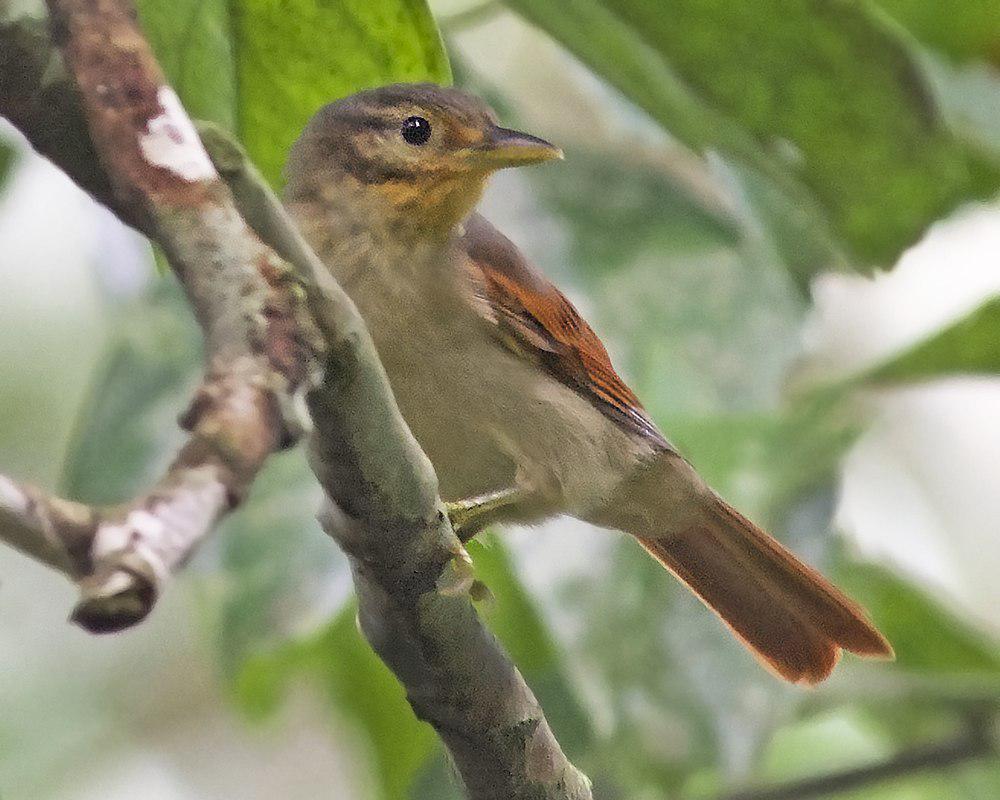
(438,356)
(488,419)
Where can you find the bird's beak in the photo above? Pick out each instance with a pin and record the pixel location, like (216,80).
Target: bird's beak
(506,148)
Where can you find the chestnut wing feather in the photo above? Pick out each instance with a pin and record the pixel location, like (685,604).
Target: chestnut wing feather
(535,320)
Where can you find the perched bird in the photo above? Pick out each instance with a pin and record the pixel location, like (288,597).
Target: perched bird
(505,386)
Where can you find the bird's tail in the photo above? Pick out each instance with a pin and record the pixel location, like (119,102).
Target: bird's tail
(793,619)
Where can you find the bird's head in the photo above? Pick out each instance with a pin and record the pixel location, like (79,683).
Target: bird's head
(421,152)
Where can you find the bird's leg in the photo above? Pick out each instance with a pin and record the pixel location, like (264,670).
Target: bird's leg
(467,518)
(470,516)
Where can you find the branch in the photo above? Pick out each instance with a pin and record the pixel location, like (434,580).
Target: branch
(121,557)
(410,570)
(39,98)
(143,157)
(976,742)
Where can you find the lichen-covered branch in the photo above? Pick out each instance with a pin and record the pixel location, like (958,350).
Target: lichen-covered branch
(143,157)
(121,557)
(261,308)
(39,98)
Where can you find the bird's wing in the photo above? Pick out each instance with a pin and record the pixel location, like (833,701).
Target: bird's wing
(533,319)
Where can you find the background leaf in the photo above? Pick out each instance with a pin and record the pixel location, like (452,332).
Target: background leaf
(148,373)
(262,67)
(362,693)
(970,346)
(968,30)
(927,637)
(292,57)
(193,41)
(853,122)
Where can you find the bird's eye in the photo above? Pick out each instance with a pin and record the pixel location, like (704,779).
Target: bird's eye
(416,130)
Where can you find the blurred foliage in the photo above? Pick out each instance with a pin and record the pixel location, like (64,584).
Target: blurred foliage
(926,637)
(970,346)
(6,162)
(147,375)
(362,691)
(853,122)
(262,67)
(686,297)
(970,29)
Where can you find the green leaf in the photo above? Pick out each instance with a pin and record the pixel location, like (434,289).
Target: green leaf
(147,376)
(6,162)
(194,45)
(926,636)
(362,692)
(294,56)
(970,346)
(964,31)
(822,99)
(262,67)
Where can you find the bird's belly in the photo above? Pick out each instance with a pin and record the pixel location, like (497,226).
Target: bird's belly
(450,409)
(486,418)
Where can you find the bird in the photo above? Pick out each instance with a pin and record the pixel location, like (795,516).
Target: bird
(505,386)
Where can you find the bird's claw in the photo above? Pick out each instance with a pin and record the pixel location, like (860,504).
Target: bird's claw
(458,576)
(468,517)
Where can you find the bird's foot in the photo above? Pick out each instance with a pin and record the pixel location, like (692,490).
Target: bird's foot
(468,517)
(458,576)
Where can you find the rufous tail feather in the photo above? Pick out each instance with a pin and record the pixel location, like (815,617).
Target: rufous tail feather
(793,619)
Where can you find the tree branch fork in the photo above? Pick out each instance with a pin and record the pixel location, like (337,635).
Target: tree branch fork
(287,357)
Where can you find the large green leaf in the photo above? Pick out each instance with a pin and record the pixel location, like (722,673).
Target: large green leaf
(821,98)
(966,30)
(194,45)
(970,346)
(294,56)
(262,67)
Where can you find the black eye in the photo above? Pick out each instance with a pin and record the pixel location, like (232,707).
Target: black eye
(416,130)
